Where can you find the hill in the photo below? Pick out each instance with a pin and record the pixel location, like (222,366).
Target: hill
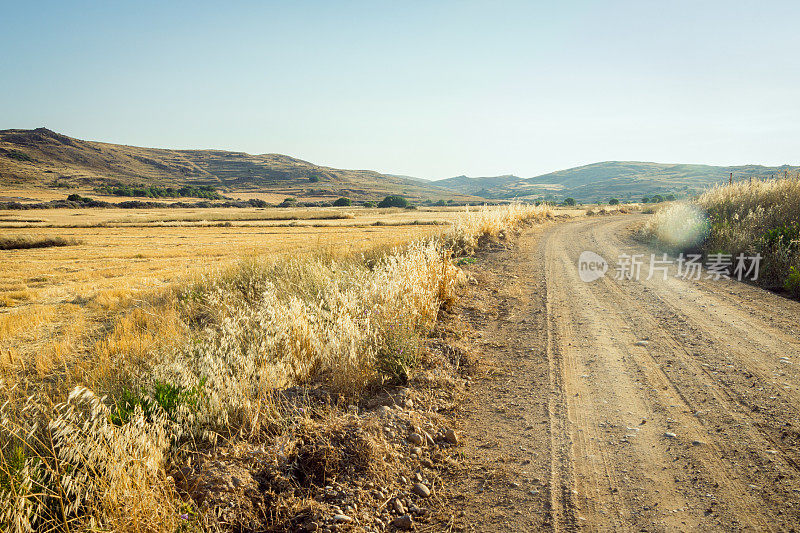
(43,159)
(626,180)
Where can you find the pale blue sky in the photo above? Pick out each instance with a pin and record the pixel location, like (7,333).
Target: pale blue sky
(429,89)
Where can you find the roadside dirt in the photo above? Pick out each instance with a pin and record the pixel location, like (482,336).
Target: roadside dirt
(625,405)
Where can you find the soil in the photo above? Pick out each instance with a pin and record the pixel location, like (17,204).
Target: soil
(660,405)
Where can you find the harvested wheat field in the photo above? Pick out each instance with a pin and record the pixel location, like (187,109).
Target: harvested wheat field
(138,351)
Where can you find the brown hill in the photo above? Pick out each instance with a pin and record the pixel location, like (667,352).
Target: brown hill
(43,159)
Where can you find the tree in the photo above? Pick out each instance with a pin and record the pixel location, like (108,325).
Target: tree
(569,201)
(313,179)
(657,199)
(342,202)
(670,197)
(645,200)
(613,201)
(393,201)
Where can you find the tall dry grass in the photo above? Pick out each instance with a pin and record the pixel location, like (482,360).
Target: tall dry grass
(747,217)
(85,444)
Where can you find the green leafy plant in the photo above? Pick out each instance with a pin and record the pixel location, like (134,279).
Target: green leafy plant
(393,201)
(787,235)
(792,283)
(165,396)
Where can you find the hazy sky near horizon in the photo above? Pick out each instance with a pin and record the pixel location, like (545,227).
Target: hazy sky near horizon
(428,89)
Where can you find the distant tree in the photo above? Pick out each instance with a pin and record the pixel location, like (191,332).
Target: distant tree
(257,202)
(342,202)
(313,179)
(440,203)
(75,198)
(569,201)
(613,201)
(369,204)
(670,197)
(645,200)
(393,201)
(657,199)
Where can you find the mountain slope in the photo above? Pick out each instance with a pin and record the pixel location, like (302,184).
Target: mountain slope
(41,158)
(620,179)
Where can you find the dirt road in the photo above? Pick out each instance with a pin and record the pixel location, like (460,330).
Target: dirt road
(660,405)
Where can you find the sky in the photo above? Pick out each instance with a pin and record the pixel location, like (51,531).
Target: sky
(427,89)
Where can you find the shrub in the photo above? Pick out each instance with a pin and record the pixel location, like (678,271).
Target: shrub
(762,216)
(613,201)
(393,201)
(645,200)
(369,204)
(569,201)
(19,156)
(24,242)
(342,202)
(256,202)
(792,283)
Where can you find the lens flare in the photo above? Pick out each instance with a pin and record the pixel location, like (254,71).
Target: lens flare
(682,225)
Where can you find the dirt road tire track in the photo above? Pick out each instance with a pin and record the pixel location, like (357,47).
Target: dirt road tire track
(696,428)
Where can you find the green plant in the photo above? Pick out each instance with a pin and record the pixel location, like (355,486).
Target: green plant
(792,283)
(342,202)
(393,201)
(19,156)
(613,201)
(569,201)
(165,396)
(786,235)
(399,353)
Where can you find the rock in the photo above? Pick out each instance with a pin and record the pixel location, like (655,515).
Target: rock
(384,411)
(398,506)
(513,484)
(670,435)
(421,490)
(342,518)
(416,450)
(451,437)
(408,403)
(403,522)
(418,477)
(641,343)
(697,443)
(416,439)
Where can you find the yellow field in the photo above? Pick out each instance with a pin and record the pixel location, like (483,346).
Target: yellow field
(58,300)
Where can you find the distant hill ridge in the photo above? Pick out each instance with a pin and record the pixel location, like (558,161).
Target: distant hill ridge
(610,179)
(42,158)
(46,159)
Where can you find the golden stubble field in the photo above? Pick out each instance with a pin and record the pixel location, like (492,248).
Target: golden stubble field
(60,300)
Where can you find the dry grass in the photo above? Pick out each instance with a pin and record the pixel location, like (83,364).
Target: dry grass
(748,217)
(101,403)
